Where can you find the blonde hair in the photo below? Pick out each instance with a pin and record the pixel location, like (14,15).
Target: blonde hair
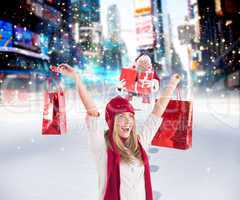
(128,149)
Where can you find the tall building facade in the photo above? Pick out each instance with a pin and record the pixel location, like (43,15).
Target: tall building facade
(113,21)
(219,40)
(114,53)
(38,26)
(87,29)
(154,32)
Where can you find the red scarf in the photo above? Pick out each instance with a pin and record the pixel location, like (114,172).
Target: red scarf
(115,106)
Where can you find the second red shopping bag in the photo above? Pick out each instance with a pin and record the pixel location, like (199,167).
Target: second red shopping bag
(54,113)
(176,128)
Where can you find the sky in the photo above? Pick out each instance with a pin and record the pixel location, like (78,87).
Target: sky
(176,8)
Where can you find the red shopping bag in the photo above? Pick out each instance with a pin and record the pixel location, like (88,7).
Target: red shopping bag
(176,128)
(54,113)
(130,76)
(144,78)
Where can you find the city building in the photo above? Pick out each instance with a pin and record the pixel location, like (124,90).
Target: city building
(113,22)
(154,35)
(219,41)
(189,36)
(87,29)
(36,29)
(33,35)
(114,55)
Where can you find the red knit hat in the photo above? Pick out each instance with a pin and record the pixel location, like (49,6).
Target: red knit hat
(115,106)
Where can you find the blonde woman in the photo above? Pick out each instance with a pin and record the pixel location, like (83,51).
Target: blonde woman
(120,152)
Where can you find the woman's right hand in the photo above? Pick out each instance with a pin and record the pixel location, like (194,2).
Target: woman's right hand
(65,70)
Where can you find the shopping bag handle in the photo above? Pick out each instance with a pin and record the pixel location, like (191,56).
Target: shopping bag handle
(179,96)
(190,106)
(190,114)
(57,78)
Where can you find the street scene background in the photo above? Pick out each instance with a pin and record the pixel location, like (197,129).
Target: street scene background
(195,38)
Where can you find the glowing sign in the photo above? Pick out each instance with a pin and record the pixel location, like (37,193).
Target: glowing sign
(144,31)
(5,34)
(142,7)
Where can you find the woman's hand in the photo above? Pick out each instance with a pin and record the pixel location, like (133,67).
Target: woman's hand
(174,80)
(65,70)
(175,77)
(88,103)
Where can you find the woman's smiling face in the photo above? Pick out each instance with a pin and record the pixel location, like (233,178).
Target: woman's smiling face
(125,123)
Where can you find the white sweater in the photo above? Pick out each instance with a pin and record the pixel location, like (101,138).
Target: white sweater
(131,175)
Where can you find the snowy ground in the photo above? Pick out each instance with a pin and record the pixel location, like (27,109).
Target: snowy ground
(39,167)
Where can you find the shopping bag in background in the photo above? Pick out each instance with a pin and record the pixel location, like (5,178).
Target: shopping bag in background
(176,128)
(129,75)
(144,82)
(54,113)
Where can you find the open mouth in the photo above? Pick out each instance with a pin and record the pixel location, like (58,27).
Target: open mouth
(125,129)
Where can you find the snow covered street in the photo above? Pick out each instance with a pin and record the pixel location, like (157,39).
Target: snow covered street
(36,167)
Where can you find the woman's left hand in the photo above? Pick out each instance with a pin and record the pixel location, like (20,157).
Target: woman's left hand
(175,77)
(65,70)
(174,80)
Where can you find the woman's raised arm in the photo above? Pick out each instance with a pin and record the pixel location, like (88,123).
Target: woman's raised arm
(87,101)
(163,100)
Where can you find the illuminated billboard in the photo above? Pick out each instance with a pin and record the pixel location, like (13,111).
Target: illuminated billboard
(27,39)
(23,37)
(142,7)
(6,34)
(144,31)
